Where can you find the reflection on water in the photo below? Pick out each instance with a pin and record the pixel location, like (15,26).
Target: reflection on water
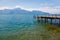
(22,27)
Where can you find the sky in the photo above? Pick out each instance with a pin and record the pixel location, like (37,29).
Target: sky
(51,6)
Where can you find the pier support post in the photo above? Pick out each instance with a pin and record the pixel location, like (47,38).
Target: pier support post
(46,20)
(51,21)
(59,21)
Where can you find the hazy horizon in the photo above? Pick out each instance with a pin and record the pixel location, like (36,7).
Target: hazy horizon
(51,6)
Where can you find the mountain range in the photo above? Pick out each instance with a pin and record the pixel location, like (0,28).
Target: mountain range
(21,11)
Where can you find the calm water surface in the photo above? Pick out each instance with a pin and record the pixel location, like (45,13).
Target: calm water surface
(25,27)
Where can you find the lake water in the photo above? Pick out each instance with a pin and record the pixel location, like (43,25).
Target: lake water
(25,27)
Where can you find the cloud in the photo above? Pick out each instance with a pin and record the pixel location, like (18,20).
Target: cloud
(3,7)
(18,6)
(52,10)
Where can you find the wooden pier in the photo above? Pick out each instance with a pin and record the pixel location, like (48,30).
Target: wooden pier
(48,17)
